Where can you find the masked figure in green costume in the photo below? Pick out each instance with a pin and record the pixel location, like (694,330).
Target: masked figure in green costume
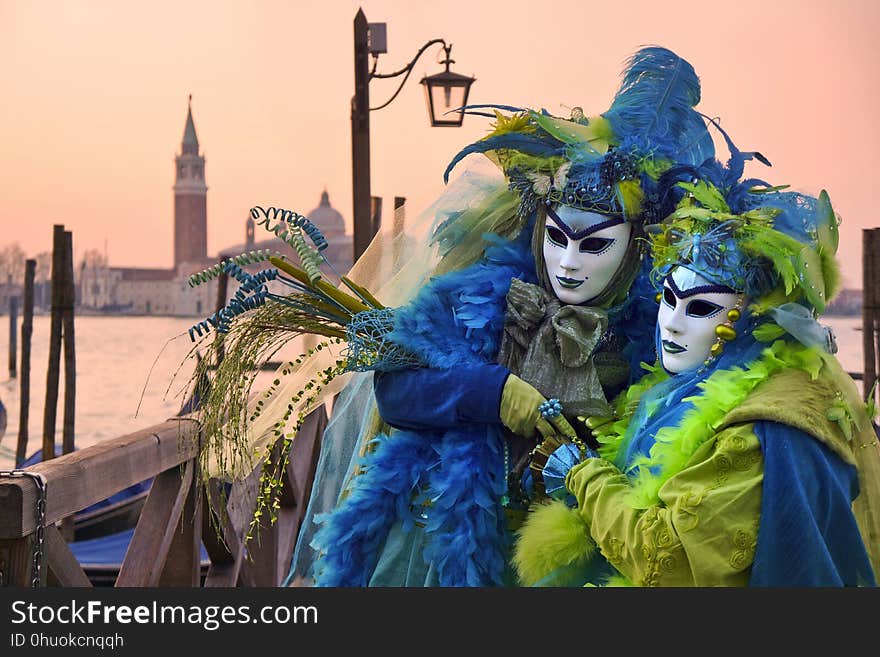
(745,457)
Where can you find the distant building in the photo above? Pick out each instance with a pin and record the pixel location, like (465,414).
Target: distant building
(339,252)
(847,302)
(190,199)
(148,291)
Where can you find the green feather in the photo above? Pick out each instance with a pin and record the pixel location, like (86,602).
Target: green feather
(779,248)
(812,282)
(721,392)
(571,133)
(828,236)
(708,195)
(831,275)
(768,332)
(631,196)
(553,539)
(828,233)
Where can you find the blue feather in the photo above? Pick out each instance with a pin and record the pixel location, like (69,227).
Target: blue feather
(468,527)
(738,158)
(460,471)
(472,331)
(351,537)
(655,103)
(695,142)
(503,108)
(469,109)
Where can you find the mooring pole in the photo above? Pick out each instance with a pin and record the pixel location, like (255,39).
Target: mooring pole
(27,331)
(13,333)
(50,411)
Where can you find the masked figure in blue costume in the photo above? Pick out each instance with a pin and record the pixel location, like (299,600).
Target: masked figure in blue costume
(745,457)
(543,318)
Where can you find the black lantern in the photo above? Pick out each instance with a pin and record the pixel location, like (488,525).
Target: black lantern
(445,92)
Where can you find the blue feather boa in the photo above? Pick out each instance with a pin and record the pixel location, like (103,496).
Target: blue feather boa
(351,536)
(471,332)
(470,540)
(457,318)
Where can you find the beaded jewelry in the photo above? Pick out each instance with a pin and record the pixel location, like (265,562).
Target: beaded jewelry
(725,332)
(550,409)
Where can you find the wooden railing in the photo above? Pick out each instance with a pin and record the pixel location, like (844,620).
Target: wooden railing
(165,549)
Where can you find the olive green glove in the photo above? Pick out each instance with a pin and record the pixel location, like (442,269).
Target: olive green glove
(519,411)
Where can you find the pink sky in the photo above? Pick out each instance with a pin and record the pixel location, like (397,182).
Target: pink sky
(95,94)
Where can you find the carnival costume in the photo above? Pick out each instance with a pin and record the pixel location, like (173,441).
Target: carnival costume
(758,466)
(433,499)
(419,492)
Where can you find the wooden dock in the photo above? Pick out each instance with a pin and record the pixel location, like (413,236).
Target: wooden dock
(173,524)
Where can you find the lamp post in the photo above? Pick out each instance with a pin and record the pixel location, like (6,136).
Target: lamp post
(445,92)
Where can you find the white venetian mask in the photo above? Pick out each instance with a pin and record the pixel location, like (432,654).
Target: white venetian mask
(582,252)
(690,310)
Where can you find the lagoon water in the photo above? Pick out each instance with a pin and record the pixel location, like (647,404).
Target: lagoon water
(131,372)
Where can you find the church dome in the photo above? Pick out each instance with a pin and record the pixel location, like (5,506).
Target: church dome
(327,218)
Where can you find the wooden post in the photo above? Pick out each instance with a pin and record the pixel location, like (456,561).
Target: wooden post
(68,300)
(360,137)
(183,563)
(68,296)
(223,540)
(156,528)
(875,303)
(13,333)
(52,371)
(27,331)
(16,562)
(399,215)
(375,215)
(869,309)
(271,550)
(397,227)
(62,566)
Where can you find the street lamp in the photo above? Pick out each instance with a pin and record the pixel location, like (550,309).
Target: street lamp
(445,92)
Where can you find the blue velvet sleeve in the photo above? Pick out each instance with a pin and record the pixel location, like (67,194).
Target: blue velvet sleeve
(808,535)
(428,398)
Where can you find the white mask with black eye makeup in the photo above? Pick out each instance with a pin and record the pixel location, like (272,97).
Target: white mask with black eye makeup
(690,310)
(582,252)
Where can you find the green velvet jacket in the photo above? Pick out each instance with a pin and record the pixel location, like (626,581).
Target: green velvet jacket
(703,531)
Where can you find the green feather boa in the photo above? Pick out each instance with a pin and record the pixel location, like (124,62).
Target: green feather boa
(722,391)
(550,543)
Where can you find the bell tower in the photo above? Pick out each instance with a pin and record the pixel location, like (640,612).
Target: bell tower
(190,198)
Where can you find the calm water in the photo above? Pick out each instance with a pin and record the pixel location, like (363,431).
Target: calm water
(117,393)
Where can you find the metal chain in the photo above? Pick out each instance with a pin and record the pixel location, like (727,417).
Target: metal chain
(40,482)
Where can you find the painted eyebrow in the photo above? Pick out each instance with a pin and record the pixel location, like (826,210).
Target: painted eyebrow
(579,235)
(700,289)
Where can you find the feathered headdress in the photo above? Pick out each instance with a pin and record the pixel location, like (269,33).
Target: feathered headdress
(780,249)
(610,163)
